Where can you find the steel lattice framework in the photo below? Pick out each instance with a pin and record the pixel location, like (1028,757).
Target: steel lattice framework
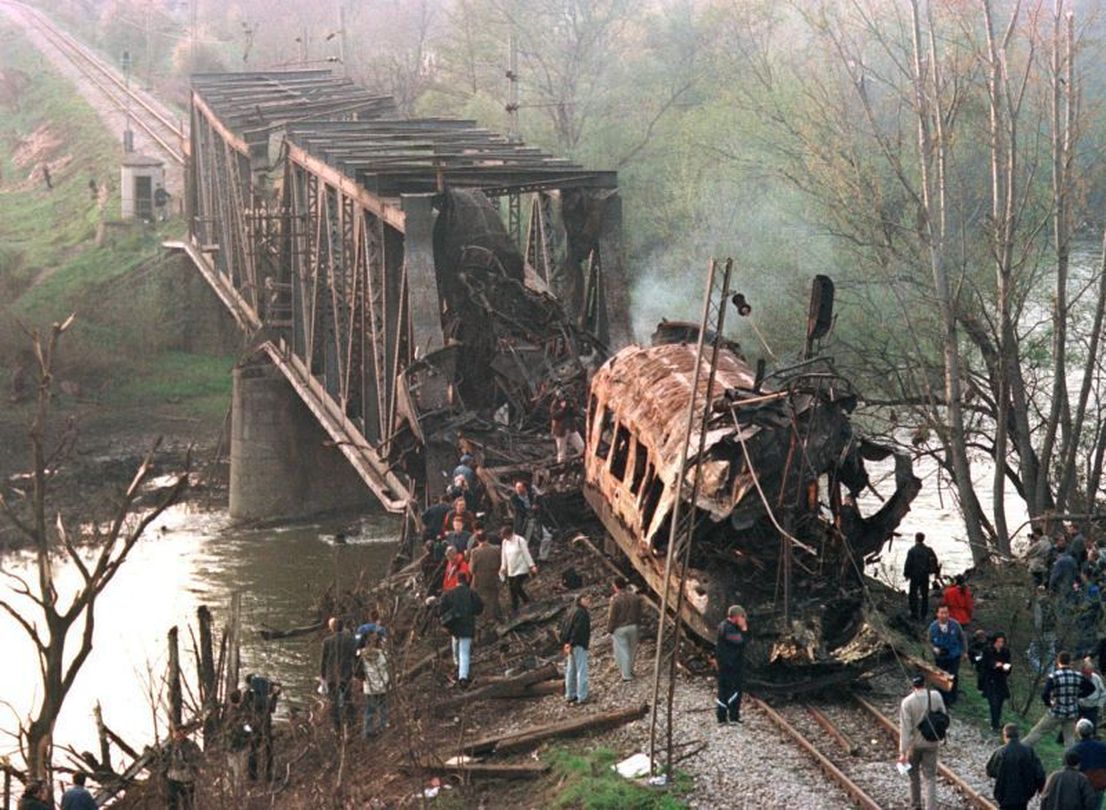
(312,205)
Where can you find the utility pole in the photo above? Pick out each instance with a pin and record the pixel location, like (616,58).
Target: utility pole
(342,51)
(194,13)
(128,135)
(512,89)
(514,204)
(149,51)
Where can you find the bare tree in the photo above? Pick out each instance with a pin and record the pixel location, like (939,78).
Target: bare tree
(889,120)
(49,623)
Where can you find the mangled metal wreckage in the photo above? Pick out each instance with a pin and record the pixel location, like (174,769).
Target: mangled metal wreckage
(781,452)
(776,527)
(509,347)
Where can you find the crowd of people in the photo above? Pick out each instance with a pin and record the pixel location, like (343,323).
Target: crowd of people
(475,579)
(1066,570)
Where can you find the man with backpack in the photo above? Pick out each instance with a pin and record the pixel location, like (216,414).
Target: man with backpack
(923,722)
(1063,689)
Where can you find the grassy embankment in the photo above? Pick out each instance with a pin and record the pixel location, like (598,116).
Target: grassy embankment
(129,347)
(1004,596)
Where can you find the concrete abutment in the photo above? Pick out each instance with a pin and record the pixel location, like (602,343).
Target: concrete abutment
(282,463)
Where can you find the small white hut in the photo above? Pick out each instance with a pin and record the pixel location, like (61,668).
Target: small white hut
(140,178)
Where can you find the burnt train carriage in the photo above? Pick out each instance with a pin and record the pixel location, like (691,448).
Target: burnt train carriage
(772,453)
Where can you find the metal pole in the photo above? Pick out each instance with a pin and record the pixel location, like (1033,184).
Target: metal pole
(342,52)
(678,497)
(685,561)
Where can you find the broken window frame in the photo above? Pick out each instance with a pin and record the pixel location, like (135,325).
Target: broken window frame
(604,433)
(620,455)
(641,463)
(654,493)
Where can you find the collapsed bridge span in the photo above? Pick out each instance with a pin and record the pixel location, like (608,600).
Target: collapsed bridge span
(365,255)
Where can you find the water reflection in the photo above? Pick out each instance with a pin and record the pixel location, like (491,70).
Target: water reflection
(188,558)
(935,512)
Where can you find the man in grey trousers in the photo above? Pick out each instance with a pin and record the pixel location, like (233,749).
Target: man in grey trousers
(623,618)
(916,750)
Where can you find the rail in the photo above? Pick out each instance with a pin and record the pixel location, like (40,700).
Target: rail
(154,122)
(855,791)
(974,797)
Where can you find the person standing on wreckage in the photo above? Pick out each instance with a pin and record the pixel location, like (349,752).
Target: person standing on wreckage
(729,659)
(562,424)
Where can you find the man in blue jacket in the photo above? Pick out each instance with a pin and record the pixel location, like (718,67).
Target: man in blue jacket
(946,637)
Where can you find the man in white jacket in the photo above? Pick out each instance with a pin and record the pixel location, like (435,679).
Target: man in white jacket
(1090,707)
(516,564)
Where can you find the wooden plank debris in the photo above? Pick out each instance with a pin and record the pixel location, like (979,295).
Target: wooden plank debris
(514,687)
(529,738)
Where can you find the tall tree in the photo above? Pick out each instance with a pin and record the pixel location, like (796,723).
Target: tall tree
(50,621)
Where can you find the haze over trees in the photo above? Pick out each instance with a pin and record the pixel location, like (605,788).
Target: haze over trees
(940,159)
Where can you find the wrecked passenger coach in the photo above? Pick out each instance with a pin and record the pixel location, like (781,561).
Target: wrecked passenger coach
(781,460)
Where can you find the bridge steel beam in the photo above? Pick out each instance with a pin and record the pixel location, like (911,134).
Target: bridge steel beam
(318,280)
(326,258)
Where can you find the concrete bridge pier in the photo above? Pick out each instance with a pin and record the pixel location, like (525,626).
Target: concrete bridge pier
(282,464)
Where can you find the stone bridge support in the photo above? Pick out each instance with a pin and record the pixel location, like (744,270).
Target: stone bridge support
(282,463)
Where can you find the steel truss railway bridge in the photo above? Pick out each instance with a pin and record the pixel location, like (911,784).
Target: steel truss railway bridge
(312,207)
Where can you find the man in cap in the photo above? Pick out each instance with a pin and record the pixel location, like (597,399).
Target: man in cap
(914,748)
(729,658)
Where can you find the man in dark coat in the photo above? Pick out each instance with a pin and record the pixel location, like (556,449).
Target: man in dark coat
(576,638)
(34,797)
(432,518)
(336,669)
(921,564)
(729,657)
(1017,771)
(458,609)
(1068,789)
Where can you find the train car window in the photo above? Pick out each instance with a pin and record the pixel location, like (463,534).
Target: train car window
(606,434)
(653,493)
(641,460)
(621,452)
(593,404)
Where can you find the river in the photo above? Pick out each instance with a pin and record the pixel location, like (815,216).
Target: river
(191,557)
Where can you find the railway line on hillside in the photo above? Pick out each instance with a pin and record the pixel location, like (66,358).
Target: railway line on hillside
(853,744)
(156,121)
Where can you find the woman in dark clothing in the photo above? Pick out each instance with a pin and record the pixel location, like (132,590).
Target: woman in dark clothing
(34,797)
(994,670)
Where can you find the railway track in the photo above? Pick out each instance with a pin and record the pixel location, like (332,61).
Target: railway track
(851,754)
(157,122)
